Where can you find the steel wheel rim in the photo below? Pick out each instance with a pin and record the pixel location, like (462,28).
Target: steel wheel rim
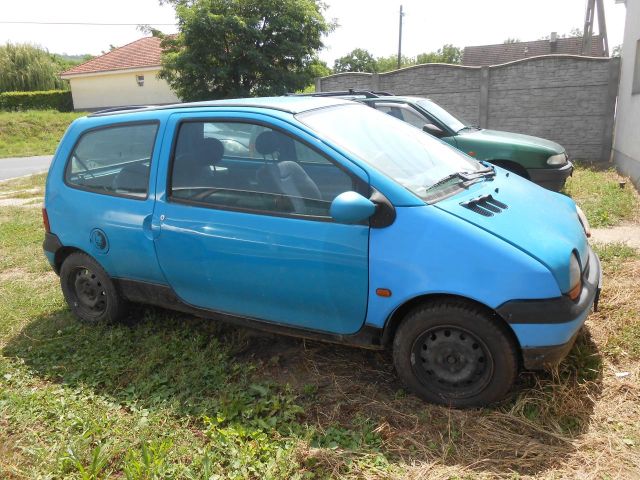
(90,294)
(452,361)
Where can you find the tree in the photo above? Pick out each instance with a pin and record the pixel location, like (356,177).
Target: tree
(25,67)
(241,48)
(511,40)
(358,60)
(447,54)
(386,64)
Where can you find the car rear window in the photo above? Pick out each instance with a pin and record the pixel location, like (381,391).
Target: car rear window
(113,160)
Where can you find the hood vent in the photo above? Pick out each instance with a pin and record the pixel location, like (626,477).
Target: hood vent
(485,205)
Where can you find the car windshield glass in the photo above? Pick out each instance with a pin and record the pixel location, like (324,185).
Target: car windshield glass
(407,155)
(441,114)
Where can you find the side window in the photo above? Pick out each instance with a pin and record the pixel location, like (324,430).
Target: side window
(252,167)
(113,160)
(403,113)
(412,117)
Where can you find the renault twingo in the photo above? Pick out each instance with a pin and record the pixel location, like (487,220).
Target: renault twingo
(326,220)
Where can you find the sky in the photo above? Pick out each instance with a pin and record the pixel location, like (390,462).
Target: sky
(369,24)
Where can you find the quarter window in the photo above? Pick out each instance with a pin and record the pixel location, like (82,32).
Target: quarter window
(251,167)
(113,160)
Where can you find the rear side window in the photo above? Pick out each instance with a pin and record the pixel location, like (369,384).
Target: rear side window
(113,160)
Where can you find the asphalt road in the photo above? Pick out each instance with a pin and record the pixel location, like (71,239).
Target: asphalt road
(19,167)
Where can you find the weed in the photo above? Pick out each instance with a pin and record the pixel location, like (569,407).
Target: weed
(599,194)
(34,132)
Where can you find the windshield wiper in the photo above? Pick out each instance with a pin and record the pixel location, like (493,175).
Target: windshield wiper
(467,178)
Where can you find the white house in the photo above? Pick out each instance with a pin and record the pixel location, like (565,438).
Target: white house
(125,76)
(626,147)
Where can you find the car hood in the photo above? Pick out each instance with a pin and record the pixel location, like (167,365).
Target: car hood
(542,223)
(497,137)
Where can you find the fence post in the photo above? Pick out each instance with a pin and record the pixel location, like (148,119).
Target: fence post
(375,82)
(318,84)
(609,118)
(483,117)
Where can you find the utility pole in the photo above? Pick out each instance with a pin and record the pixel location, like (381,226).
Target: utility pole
(587,33)
(400,39)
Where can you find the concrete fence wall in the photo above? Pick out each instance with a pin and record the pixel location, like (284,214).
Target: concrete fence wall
(565,98)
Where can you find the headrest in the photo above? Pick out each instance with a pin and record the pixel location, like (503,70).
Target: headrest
(267,143)
(213,150)
(270,142)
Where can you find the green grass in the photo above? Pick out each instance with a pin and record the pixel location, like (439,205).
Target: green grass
(34,132)
(599,194)
(165,395)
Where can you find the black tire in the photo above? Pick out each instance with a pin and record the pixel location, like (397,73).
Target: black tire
(89,292)
(455,354)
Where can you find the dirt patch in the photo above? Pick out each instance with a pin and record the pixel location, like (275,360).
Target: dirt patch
(627,233)
(21,202)
(13,274)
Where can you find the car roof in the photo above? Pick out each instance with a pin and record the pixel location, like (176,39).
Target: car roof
(393,98)
(289,104)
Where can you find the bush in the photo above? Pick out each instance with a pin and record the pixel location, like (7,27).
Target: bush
(46,100)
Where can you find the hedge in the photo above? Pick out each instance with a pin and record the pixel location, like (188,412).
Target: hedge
(45,100)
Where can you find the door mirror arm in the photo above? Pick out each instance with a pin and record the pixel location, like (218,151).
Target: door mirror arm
(385,213)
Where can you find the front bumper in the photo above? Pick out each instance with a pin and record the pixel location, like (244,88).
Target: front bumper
(547,328)
(551,178)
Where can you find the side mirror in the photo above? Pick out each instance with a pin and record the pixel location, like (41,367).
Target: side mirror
(431,129)
(351,207)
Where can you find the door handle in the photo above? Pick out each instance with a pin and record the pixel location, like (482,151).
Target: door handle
(151,226)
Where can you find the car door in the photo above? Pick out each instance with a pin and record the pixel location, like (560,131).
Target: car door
(109,197)
(232,241)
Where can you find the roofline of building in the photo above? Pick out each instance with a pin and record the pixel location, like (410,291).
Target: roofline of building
(149,68)
(524,41)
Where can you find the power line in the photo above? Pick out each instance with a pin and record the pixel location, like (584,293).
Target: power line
(88,23)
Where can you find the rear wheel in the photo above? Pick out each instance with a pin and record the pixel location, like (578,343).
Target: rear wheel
(89,291)
(455,354)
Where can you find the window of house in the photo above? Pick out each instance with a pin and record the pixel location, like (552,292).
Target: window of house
(635,88)
(113,160)
(251,167)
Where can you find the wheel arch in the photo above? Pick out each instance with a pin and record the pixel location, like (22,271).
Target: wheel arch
(63,253)
(396,318)
(512,166)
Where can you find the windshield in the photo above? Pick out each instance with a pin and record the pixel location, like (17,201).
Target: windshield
(409,156)
(441,114)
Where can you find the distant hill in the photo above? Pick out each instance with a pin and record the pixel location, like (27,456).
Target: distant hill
(73,59)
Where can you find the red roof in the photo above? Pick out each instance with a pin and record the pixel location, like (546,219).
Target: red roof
(484,55)
(142,53)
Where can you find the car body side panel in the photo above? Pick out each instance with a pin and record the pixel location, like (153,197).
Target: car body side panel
(74,213)
(287,270)
(429,251)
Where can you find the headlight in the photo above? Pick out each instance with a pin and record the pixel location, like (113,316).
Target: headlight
(583,220)
(557,160)
(575,277)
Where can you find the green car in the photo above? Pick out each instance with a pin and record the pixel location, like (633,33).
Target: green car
(542,161)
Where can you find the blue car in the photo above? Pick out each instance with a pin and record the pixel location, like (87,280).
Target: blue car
(325,219)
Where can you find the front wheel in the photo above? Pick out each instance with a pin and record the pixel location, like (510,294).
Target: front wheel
(455,354)
(89,291)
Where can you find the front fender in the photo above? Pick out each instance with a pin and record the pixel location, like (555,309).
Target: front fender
(428,251)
